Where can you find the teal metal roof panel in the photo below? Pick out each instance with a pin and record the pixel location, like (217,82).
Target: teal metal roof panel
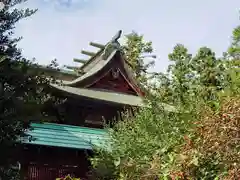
(58,135)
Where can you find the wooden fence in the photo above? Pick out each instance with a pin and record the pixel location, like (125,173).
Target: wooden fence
(48,172)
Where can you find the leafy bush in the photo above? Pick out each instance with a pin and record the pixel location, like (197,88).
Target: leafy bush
(144,146)
(212,149)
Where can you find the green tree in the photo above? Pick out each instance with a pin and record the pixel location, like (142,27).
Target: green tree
(180,73)
(234,49)
(22,90)
(232,57)
(136,51)
(202,74)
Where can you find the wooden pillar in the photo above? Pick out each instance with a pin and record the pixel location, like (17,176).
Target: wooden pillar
(132,111)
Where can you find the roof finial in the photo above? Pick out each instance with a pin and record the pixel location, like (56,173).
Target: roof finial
(112,45)
(117,36)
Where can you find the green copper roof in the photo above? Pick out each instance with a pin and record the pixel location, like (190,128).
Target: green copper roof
(93,68)
(114,97)
(58,135)
(102,95)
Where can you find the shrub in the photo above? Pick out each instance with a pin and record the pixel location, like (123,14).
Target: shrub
(212,149)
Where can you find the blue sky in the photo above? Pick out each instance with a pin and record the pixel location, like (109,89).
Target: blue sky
(62,28)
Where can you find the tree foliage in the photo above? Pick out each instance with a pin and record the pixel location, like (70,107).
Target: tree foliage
(201,141)
(22,89)
(234,49)
(136,51)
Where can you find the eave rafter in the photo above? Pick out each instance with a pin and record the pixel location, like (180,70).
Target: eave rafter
(88,53)
(101,47)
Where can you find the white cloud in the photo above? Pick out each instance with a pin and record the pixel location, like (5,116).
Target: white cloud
(61,30)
